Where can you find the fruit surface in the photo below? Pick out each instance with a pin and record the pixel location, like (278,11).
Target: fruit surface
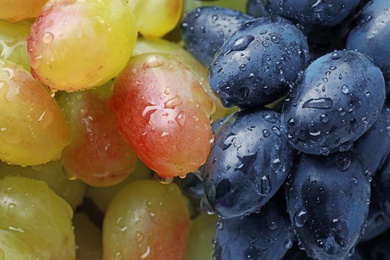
(32,211)
(163,112)
(28,110)
(16,10)
(146,219)
(80,44)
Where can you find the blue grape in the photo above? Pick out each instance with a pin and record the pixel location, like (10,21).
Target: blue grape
(334,102)
(328,203)
(204,30)
(265,235)
(308,12)
(371,35)
(256,65)
(248,163)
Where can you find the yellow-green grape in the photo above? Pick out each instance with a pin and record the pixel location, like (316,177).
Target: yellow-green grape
(81,44)
(146,220)
(101,196)
(88,238)
(202,234)
(33,129)
(32,211)
(156,18)
(13,44)
(72,191)
(149,45)
(13,247)
(231,4)
(16,10)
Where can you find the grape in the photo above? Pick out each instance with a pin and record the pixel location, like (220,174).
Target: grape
(371,34)
(14,247)
(88,238)
(102,196)
(309,13)
(328,201)
(17,10)
(163,112)
(248,163)
(202,233)
(52,173)
(28,110)
(256,65)
(160,216)
(32,211)
(13,45)
(334,102)
(147,45)
(155,18)
(98,153)
(205,29)
(80,44)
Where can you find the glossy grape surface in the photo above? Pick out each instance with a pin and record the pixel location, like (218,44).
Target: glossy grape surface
(163,112)
(160,216)
(16,10)
(81,44)
(28,110)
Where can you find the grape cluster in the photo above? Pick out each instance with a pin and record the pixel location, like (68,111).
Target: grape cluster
(303,162)
(194,129)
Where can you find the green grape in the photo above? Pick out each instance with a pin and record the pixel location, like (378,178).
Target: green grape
(148,45)
(239,5)
(16,10)
(13,247)
(146,220)
(101,196)
(32,211)
(202,234)
(13,44)
(88,238)
(52,173)
(29,115)
(156,18)
(81,44)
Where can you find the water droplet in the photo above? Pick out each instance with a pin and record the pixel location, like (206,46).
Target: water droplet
(47,37)
(165,180)
(16,229)
(319,103)
(343,162)
(153,62)
(272,224)
(345,89)
(300,218)
(242,43)
(264,187)
(146,253)
(173,102)
(335,56)
(288,243)
(275,39)
(266,133)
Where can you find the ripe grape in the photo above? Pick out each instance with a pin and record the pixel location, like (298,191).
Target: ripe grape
(81,44)
(146,219)
(163,112)
(14,247)
(155,18)
(98,153)
(72,191)
(32,211)
(28,110)
(17,10)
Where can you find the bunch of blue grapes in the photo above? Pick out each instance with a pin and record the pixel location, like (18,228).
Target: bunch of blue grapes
(301,168)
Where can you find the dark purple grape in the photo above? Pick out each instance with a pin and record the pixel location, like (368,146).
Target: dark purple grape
(334,102)
(328,201)
(204,30)
(248,163)
(257,64)
(265,235)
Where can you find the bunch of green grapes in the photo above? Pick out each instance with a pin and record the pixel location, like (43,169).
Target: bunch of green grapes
(101,110)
